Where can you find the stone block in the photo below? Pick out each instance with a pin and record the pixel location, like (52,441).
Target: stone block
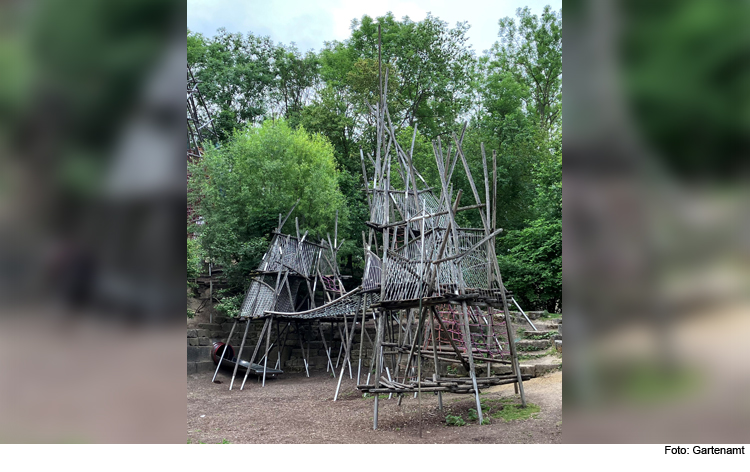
(192,333)
(320,363)
(528,370)
(191,368)
(501,369)
(525,345)
(541,369)
(193,342)
(558,345)
(204,341)
(535,315)
(198,353)
(210,326)
(202,333)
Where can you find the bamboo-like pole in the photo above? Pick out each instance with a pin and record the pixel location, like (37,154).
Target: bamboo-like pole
(328,353)
(239,354)
(226,346)
(255,352)
(347,355)
(472,371)
(302,348)
(378,366)
(361,336)
(268,349)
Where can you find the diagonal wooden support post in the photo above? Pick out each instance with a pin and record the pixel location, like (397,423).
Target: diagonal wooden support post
(255,352)
(268,348)
(467,340)
(239,354)
(226,347)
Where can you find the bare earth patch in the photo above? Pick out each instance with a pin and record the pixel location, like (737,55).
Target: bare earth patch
(297,409)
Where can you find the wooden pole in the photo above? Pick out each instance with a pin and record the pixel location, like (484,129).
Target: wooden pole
(268,348)
(378,365)
(239,354)
(467,341)
(328,353)
(362,336)
(226,346)
(255,352)
(302,347)
(346,355)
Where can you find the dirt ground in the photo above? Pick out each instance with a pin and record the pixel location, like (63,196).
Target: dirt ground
(297,409)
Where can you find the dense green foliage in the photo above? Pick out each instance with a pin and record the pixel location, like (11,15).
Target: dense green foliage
(194,261)
(303,118)
(258,174)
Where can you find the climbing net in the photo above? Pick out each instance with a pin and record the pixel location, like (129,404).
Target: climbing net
(488,338)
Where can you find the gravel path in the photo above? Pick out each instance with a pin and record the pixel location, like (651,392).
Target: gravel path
(297,409)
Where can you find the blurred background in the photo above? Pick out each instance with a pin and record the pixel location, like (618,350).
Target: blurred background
(656,254)
(92,202)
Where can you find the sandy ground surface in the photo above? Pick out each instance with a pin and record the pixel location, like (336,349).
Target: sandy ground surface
(297,409)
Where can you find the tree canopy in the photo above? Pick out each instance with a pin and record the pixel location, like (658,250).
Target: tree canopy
(240,188)
(292,124)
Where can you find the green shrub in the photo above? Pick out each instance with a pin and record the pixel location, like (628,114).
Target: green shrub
(452,420)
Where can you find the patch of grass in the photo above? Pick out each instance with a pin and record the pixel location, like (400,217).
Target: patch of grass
(548,352)
(451,370)
(224,441)
(486,421)
(533,335)
(512,411)
(473,416)
(452,420)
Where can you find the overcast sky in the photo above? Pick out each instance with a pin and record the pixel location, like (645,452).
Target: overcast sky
(309,22)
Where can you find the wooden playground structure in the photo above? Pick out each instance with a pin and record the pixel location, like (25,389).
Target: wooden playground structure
(432,289)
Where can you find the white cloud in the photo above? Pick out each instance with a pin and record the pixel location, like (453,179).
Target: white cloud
(309,23)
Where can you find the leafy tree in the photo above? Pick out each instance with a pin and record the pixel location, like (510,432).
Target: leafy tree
(332,115)
(194,261)
(296,77)
(261,172)
(531,258)
(434,65)
(530,54)
(236,74)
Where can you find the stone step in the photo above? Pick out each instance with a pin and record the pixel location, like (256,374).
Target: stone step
(532,315)
(526,345)
(531,334)
(544,365)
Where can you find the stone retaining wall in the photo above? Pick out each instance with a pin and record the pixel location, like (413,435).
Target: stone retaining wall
(200,344)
